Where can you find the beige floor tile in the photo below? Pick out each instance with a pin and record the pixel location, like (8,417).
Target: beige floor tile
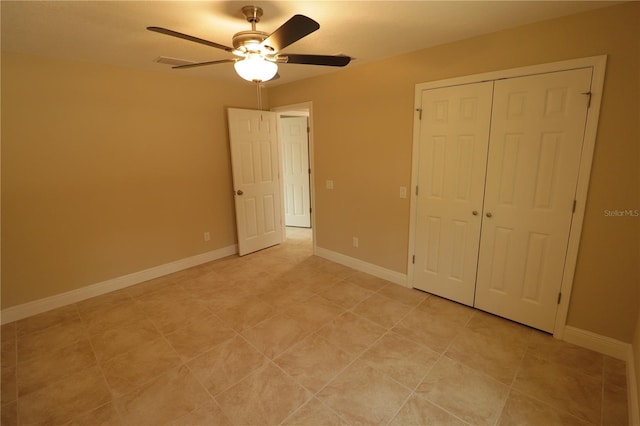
(401,359)
(198,335)
(498,328)
(561,387)
(266,397)
(9,414)
(167,397)
(208,414)
(275,335)
(314,413)
(468,394)
(247,314)
(34,373)
(101,416)
(170,315)
(8,345)
(447,310)
(428,329)
(122,338)
(615,408)
(112,315)
(96,305)
(367,281)
(314,312)
(226,364)
(382,310)
(285,295)
(61,401)
(557,351)
(492,355)
(156,284)
(64,315)
(362,395)
(346,294)
(418,411)
(131,369)
(313,362)
(9,386)
(50,339)
(352,333)
(408,296)
(522,410)
(615,372)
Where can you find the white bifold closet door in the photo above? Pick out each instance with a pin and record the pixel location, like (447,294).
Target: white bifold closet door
(454,137)
(494,212)
(537,131)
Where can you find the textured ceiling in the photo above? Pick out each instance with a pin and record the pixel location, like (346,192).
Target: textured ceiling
(114,32)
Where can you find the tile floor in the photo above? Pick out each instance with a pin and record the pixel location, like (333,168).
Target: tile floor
(283,337)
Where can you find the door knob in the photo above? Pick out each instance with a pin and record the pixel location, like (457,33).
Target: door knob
(475,212)
(239,192)
(489,214)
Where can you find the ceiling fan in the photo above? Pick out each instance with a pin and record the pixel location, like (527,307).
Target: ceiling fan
(257,53)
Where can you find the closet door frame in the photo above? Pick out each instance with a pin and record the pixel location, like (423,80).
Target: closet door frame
(598,65)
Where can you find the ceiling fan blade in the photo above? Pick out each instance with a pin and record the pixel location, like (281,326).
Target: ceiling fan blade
(327,60)
(188,37)
(201,64)
(291,31)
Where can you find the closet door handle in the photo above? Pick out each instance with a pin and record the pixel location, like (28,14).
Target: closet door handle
(489,214)
(475,212)
(239,192)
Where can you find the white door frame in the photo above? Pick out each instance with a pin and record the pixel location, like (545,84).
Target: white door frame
(598,63)
(304,109)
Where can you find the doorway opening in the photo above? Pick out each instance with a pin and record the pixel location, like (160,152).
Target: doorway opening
(295,142)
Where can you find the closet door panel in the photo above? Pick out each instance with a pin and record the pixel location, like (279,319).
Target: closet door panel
(534,155)
(453,151)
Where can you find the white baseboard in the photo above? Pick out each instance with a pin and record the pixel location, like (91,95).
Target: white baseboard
(360,265)
(28,309)
(615,349)
(596,342)
(632,389)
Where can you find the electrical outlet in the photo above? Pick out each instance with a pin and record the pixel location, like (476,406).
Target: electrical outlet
(403,192)
(207,236)
(355,242)
(329,184)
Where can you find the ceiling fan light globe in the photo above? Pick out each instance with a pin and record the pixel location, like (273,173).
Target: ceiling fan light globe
(256,68)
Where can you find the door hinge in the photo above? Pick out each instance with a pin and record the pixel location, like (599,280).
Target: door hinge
(559,297)
(308,129)
(309,171)
(310,210)
(573,210)
(419,113)
(416,190)
(414,259)
(588,99)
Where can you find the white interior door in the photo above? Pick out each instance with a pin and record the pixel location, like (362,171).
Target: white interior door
(254,159)
(295,145)
(537,130)
(454,136)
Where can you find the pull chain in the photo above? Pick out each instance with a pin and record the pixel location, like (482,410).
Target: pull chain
(259,95)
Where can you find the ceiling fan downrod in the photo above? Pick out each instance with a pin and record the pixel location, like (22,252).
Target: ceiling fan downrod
(253,15)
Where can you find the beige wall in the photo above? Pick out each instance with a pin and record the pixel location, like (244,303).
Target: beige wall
(108,171)
(363,119)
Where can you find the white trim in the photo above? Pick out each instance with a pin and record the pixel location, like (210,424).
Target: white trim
(632,389)
(597,342)
(360,265)
(598,64)
(28,309)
